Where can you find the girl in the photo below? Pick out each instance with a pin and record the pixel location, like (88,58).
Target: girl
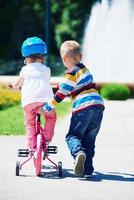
(34,80)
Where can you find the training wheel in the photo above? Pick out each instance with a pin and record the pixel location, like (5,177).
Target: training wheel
(59,169)
(17,168)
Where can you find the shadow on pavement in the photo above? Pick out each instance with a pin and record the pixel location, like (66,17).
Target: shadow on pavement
(111,176)
(66,173)
(97,176)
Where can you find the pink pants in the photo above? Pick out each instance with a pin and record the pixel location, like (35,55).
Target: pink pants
(30,116)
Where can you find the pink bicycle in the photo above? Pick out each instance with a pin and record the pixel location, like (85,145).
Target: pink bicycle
(39,152)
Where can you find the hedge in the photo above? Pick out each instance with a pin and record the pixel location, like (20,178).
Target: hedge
(8,97)
(115,91)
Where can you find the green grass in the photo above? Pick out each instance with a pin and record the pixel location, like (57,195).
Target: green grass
(12,119)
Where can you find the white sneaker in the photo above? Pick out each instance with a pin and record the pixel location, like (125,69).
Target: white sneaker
(79,163)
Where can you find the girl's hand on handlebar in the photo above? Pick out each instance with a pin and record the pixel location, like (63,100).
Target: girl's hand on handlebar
(10,85)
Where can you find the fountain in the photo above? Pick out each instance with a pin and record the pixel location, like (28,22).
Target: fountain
(108,47)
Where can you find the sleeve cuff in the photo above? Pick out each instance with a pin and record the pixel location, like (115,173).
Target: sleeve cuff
(47,108)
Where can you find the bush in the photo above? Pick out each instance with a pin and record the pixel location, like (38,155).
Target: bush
(115,91)
(8,98)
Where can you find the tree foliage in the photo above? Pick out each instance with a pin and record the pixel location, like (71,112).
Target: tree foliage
(25,18)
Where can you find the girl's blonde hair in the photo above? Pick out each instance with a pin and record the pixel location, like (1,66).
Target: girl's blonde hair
(36,57)
(33,58)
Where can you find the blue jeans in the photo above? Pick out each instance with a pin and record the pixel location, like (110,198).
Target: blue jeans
(82,134)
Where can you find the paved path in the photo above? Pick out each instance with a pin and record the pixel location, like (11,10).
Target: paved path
(114,163)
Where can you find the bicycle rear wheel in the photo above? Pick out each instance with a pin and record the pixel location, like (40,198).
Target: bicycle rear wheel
(37,159)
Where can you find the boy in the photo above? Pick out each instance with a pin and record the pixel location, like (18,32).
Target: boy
(87,109)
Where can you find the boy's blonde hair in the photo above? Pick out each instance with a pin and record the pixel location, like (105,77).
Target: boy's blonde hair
(71,48)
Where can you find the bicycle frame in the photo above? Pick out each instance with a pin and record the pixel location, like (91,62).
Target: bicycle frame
(40,130)
(43,149)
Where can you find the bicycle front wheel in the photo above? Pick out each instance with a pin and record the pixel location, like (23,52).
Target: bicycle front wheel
(38,155)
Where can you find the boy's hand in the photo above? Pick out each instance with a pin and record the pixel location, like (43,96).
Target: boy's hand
(41,111)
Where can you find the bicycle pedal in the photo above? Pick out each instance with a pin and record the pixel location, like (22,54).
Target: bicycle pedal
(52,149)
(23,152)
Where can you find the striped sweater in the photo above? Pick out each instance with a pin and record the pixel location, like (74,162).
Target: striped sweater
(79,84)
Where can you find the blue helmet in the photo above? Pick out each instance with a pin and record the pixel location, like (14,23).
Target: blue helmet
(33,45)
